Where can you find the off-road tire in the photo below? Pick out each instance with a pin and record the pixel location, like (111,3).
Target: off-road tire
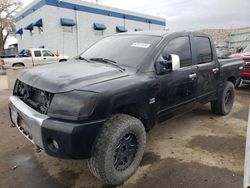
(101,162)
(220,106)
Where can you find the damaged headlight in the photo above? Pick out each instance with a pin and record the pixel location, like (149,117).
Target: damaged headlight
(74,105)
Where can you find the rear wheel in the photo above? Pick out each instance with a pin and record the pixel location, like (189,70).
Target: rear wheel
(224,103)
(62,60)
(18,65)
(118,149)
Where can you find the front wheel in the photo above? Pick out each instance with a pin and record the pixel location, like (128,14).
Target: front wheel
(225,100)
(118,149)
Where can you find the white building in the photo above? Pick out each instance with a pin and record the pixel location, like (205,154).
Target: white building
(70,26)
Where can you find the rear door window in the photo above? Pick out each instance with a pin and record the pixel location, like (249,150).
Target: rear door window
(37,53)
(203,50)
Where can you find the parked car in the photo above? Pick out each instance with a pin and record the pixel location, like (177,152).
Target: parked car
(99,105)
(32,57)
(245,55)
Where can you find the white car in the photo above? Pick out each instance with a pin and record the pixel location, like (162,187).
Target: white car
(32,57)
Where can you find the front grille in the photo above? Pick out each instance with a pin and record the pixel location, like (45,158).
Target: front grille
(247,66)
(37,99)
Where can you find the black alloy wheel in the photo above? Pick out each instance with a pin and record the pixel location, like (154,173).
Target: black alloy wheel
(125,152)
(228,97)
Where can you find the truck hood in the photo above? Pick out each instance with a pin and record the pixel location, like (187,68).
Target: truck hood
(63,77)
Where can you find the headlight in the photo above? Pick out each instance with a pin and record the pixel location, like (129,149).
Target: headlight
(74,105)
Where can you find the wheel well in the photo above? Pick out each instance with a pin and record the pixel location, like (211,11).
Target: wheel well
(18,63)
(61,60)
(138,113)
(232,79)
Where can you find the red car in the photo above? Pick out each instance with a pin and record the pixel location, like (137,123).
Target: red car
(245,55)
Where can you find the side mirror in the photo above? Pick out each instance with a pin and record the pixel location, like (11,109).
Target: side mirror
(166,64)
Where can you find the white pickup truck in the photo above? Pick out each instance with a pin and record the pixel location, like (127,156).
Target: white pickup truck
(32,57)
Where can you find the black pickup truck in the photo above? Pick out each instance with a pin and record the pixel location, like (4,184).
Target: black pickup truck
(99,105)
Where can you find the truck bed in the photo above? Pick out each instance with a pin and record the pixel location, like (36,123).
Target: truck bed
(231,68)
(229,62)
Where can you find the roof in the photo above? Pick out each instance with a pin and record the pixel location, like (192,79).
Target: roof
(159,33)
(37,49)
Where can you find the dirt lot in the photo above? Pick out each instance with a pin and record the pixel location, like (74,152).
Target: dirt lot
(196,150)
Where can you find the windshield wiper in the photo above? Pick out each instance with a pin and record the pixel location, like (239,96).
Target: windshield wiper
(82,58)
(108,61)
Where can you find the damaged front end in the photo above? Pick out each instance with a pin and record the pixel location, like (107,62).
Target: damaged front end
(37,99)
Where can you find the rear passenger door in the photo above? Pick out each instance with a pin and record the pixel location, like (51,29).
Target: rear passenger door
(208,68)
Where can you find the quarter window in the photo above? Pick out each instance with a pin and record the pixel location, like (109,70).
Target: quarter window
(181,47)
(203,50)
(37,53)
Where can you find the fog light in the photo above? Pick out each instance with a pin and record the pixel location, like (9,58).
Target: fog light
(52,145)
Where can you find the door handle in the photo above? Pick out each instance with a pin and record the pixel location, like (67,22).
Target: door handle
(44,58)
(215,70)
(192,76)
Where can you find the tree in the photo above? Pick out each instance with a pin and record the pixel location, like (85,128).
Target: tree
(8,8)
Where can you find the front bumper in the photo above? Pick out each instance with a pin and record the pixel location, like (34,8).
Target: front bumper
(74,139)
(27,120)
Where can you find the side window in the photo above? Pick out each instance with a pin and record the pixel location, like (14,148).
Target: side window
(203,49)
(37,53)
(180,46)
(47,53)
(27,53)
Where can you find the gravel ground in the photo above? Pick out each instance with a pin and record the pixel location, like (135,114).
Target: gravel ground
(197,149)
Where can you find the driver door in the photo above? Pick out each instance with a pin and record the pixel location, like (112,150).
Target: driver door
(49,57)
(178,88)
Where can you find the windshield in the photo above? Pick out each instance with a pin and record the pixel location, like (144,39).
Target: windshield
(247,49)
(127,50)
